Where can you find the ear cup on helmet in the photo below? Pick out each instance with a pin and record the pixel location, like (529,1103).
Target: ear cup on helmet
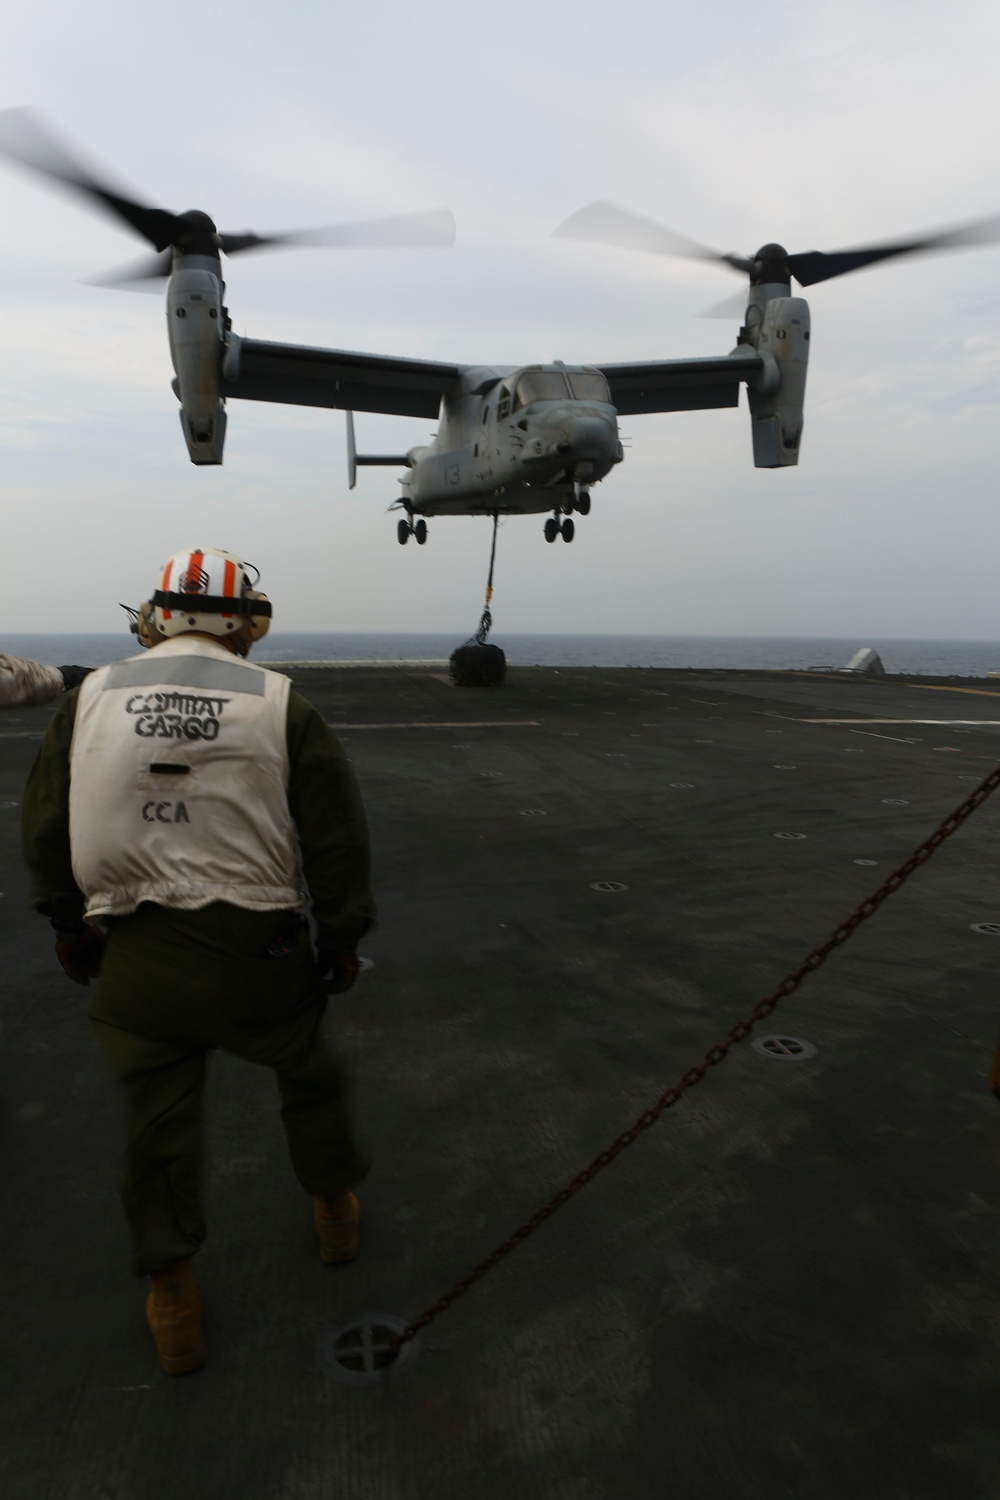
(259,624)
(145,626)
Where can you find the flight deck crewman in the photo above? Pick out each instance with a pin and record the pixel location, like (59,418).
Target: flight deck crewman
(179,799)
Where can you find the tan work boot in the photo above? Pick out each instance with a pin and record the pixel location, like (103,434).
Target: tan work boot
(337,1225)
(173,1312)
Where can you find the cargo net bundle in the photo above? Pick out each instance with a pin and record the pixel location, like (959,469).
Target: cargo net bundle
(477,663)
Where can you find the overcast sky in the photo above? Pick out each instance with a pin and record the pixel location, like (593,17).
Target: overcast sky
(823,126)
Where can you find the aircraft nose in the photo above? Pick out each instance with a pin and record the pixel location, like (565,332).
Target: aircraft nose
(584,437)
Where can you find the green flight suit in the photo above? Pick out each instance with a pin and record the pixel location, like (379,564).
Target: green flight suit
(175,984)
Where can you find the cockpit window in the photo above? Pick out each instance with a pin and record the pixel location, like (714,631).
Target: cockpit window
(590,386)
(539,385)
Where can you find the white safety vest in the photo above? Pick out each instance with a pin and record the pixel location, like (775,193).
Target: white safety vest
(178,784)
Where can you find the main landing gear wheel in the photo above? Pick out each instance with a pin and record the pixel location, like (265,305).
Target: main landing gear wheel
(403,533)
(583,502)
(420,531)
(554,527)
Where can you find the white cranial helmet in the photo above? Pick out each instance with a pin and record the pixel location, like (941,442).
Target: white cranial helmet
(206,589)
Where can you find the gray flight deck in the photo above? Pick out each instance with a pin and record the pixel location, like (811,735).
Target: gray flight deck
(790,1286)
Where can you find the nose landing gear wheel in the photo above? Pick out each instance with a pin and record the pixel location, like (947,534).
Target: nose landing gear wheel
(568,529)
(583,502)
(551,529)
(403,533)
(420,531)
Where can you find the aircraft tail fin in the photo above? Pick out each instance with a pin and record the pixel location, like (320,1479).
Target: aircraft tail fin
(352,453)
(356,460)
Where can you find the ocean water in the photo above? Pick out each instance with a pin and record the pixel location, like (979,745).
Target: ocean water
(933,658)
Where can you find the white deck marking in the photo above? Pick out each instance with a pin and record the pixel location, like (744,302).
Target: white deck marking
(449,724)
(952,723)
(896,739)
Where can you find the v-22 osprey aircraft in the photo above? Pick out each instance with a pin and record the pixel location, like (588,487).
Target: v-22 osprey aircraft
(534,439)
(510,441)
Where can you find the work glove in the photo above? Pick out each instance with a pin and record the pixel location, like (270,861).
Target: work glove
(336,969)
(80,954)
(73,676)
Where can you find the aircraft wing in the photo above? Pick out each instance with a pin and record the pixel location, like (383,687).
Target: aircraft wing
(297,375)
(680,384)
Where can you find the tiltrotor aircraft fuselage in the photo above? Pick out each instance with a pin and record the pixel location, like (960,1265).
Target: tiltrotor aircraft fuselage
(509,442)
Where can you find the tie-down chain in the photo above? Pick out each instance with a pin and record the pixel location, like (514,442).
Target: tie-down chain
(389,1350)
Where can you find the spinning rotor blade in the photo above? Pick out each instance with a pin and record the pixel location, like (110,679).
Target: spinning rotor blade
(25,141)
(142,275)
(606,224)
(427,230)
(729,308)
(813,265)
(433,229)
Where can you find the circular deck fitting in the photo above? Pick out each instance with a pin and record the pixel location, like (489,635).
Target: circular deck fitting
(607,885)
(895,802)
(791,835)
(682,786)
(786,768)
(354,1352)
(788,1048)
(866,861)
(365,963)
(991,929)
(533,812)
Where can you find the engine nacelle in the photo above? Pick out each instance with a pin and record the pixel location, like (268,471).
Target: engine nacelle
(778,396)
(196,329)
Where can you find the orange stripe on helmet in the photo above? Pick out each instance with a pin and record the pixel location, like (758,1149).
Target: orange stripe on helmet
(229,583)
(165,584)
